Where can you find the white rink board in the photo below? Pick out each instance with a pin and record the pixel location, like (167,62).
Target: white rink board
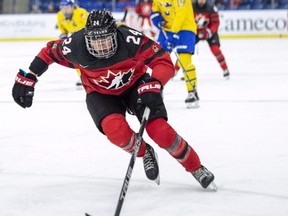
(265,23)
(250,22)
(28,26)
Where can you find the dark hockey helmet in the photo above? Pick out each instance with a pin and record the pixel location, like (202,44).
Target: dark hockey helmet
(100,34)
(67,8)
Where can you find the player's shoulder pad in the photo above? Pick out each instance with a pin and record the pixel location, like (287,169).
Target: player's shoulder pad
(126,30)
(74,45)
(119,24)
(132,37)
(60,15)
(82,10)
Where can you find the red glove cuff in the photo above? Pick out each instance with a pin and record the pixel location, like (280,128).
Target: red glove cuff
(22,80)
(149,87)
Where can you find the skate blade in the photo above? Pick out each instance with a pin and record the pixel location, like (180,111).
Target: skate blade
(193,105)
(157,180)
(212,186)
(78,88)
(227,77)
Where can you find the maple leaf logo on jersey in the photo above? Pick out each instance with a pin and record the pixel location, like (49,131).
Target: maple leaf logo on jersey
(201,20)
(115,80)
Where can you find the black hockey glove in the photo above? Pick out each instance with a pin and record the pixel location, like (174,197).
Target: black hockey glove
(149,93)
(23,89)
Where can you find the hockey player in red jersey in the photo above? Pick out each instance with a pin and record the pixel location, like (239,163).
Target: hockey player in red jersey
(207,19)
(113,60)
(143,10)
(138,17)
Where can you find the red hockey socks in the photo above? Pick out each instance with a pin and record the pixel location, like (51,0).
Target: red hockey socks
(219,56)
(166,137)
(119,133)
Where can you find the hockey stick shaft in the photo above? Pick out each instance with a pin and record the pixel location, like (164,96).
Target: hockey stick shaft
(132,162)
(174,51)
(178,58)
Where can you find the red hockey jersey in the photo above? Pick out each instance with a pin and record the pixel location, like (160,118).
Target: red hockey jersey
(206,16)
(112,76)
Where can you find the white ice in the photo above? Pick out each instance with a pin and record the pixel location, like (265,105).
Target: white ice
(54,162)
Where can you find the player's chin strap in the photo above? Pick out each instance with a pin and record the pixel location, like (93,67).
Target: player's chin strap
(132,162)
(177,57)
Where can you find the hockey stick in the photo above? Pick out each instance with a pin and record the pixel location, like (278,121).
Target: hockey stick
(125,15)
(131,163)
(178,59)
(175,52)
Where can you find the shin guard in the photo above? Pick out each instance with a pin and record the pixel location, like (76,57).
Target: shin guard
(166,137)
(119,133)
(219,56)
(189,71)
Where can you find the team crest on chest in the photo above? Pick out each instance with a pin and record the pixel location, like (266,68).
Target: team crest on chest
(115,80)
(201,20)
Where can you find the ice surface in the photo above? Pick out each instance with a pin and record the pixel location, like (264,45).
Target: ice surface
(54,162)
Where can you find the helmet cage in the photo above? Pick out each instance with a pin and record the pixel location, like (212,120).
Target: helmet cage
(101,46)
(101,34)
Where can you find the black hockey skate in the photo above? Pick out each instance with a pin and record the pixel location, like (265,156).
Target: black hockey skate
(226,74)
(192,100)
(205,178)
(150,162)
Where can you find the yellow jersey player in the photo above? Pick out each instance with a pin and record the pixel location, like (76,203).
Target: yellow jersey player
(70,19)
(175,19)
